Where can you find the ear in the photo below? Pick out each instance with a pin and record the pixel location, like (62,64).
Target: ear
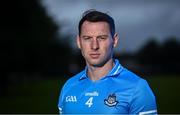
(116,39)
(78,42)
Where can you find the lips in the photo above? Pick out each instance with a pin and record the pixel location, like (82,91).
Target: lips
(94,55)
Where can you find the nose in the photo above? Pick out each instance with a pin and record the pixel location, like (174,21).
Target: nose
(94,44)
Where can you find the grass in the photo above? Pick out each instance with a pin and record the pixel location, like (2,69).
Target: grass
(42,97)
(39,97)
(166,89)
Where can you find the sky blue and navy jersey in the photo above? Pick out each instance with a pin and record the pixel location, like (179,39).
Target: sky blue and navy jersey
(119,92)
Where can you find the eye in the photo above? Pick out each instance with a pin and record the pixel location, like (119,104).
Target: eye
(101,38)
(86,38)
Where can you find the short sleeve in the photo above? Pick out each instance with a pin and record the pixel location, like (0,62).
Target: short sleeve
(143,100)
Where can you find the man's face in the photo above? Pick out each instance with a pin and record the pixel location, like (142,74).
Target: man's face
(96,43)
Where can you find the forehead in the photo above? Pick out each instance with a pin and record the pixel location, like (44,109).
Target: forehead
(94,27)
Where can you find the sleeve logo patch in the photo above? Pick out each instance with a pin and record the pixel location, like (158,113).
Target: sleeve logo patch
(111,100)
(71,99)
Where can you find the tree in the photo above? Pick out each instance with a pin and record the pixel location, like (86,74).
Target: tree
(29,43)
(170,56)
(161,58)
(149,54)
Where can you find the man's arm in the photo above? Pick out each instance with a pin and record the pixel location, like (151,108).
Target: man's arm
(143,100)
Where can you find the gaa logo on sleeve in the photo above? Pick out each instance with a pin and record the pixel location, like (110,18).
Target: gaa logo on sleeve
(71,99)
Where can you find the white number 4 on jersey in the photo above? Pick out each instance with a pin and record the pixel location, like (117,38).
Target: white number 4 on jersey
(89,102)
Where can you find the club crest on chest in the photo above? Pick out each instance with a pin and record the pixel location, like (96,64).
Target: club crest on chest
(111,100)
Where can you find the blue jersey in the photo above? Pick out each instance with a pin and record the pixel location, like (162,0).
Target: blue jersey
(119,92)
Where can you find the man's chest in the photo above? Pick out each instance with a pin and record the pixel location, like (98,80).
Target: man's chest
(96,99)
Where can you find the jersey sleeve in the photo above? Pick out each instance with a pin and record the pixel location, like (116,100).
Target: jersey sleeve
(143,100)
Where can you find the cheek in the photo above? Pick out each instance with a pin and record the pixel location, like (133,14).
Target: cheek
(108,48)
(84,50)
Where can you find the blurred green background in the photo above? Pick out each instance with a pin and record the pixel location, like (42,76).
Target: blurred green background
(36,60)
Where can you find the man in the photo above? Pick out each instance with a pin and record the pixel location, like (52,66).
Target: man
(104,86)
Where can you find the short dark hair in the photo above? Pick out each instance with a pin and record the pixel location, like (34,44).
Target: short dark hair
(97,16)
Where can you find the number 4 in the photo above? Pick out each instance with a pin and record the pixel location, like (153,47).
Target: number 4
(89,102)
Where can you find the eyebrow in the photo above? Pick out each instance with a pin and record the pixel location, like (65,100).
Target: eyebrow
(97,36)
(102,36)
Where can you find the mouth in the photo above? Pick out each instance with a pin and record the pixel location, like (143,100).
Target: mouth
(94,55)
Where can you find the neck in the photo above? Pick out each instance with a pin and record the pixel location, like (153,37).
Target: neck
(96,73)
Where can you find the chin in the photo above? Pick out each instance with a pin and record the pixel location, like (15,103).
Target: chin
(97,63)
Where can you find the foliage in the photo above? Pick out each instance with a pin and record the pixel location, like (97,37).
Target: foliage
(161,58)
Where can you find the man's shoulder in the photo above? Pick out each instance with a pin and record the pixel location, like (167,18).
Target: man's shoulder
(130,76)
(77,76)
(133,81)
(74,79)
(126,75)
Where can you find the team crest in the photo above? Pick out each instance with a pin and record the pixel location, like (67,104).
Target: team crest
(111,100)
